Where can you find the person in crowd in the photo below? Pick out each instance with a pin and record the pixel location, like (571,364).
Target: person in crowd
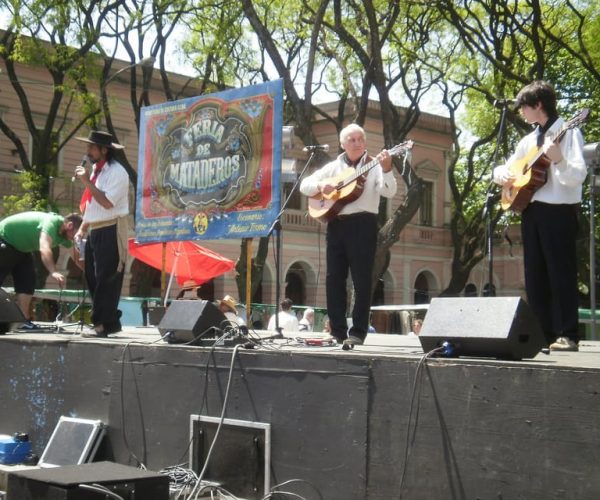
(228,306)
(549,221)
(28,232)
(286,318)
(105,208)
(307,321)
(189,291)
(352,233)
(416,327)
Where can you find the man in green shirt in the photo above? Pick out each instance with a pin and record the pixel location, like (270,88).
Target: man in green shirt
(27,232)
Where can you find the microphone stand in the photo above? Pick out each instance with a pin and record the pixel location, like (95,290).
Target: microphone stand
(276,226)
(489,202)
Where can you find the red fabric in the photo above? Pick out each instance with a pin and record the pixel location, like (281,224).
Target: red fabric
(87,194)
(186,259)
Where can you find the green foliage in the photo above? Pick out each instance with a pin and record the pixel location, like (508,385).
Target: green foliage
(29,199)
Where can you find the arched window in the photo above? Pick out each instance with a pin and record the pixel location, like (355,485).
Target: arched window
(421,295)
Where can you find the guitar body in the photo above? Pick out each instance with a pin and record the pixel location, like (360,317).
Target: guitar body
(324,208)
(349,185)
(531,173)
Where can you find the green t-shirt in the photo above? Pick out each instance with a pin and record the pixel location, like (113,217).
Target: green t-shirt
(23,230)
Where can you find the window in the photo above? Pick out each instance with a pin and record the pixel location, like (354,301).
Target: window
(426,208)
(295,202)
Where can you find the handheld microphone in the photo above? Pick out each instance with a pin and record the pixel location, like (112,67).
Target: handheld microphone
(498,103)
(316,147)
(84,161)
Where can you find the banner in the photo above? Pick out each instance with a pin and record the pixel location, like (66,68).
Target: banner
(210,166)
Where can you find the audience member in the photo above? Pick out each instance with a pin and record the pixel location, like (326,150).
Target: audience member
(416,327)
(228,306)
(286,318)
(307,321)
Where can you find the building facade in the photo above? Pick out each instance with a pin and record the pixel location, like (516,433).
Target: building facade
(420,264)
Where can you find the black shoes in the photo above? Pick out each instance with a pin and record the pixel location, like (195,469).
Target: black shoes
(350,342)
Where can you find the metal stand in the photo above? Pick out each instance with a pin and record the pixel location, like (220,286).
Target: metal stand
(491,289)
(591,153)
(276,226)
(58,326)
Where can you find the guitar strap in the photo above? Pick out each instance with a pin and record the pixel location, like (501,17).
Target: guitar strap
(356,163)
(541,131)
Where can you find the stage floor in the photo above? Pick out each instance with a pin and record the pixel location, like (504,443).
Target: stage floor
(376,422)
(376,344)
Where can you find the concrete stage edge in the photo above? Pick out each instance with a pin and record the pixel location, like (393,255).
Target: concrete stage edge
(342,421)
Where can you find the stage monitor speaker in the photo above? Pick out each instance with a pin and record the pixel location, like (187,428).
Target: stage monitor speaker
(91,481)
(497,327)
(189,320)
(9,312)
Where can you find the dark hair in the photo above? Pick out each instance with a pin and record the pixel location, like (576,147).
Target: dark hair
(535,92)
(286,304)
(75,219)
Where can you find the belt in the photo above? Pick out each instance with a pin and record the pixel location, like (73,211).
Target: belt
(101,224)
(355,214)
(121,223)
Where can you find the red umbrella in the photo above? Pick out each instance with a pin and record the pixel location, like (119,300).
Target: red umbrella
(185,260)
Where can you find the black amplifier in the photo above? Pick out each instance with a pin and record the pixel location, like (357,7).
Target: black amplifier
(86,481)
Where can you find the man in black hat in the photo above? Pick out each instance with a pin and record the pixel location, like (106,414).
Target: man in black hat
(105,207)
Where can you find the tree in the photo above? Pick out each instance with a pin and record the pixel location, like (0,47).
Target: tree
(493,49)
(58,37)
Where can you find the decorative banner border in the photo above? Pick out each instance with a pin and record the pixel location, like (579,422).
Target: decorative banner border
(210,166)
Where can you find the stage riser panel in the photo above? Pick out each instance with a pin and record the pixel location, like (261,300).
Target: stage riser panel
(505,431)
(485,429)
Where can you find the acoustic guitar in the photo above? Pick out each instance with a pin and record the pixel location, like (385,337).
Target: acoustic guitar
(349,185)
(531,171)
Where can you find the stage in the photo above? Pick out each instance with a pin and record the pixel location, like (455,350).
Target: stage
(345,424)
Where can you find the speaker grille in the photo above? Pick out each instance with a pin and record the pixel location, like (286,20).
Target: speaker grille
(499,327)
(188,320)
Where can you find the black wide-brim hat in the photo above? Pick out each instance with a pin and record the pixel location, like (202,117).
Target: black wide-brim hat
(100,138)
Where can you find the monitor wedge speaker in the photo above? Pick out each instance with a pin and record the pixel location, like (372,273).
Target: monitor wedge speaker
(187,321)
(497,327)
(9,312)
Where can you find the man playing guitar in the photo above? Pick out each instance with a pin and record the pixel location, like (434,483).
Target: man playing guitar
(352,232)
(549,221)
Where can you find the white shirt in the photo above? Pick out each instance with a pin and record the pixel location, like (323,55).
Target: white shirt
(304,325)
(287,321)
(234,318)
(565,178)
(113,181)
(377,184)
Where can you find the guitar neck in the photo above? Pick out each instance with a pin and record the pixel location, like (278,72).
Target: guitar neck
(560,132)
(363,169)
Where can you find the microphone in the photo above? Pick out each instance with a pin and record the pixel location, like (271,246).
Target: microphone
(316,147)
(84,161)
(498,103)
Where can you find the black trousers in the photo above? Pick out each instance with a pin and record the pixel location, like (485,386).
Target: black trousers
(103,280)
(351,245)
(20,265)
(549,245)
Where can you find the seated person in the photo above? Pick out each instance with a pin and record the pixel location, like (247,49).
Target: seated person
(286,318)
(228,306)
(416,327)
(307,321)
(189,291)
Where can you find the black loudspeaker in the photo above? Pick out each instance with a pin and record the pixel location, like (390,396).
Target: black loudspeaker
(86,482)
(189,320)
(497,327)
(9,312)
